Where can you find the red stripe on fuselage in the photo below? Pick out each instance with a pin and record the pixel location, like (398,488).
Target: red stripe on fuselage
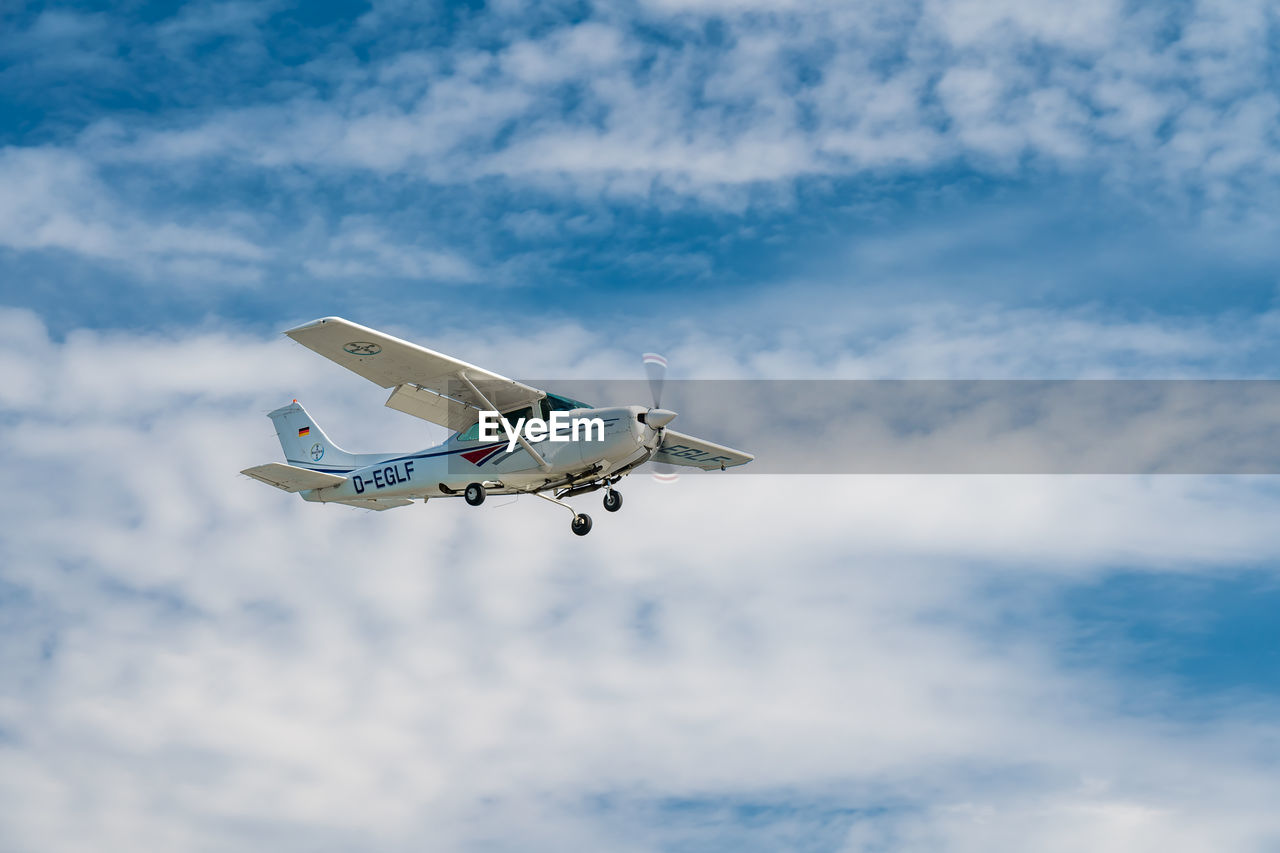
(475,457)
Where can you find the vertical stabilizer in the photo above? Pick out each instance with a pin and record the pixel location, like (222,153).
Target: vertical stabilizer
(305,444)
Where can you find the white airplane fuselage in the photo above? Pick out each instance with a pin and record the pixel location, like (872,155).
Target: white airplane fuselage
(448,468)
(536,449)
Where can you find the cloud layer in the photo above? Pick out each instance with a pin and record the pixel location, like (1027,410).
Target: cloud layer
(826,663)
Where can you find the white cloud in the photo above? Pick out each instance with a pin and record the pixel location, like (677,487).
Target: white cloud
(201,21)
(986,24)
(55,200)
(729,109)
(593,102)
(59,42)
(358,250)
(194,658)
(58,201)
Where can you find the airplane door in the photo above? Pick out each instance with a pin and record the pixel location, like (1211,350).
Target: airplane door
(559,454)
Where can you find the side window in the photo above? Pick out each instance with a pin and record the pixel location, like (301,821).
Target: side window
(472,433)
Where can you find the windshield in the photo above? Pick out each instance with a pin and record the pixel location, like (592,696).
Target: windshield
(552,403)
(564,404)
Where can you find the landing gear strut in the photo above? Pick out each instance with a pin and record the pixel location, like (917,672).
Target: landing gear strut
(613,500)
(474,494)
(581,524)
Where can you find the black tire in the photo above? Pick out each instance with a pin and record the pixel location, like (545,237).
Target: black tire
(474,494)
(612,500)
(581,524)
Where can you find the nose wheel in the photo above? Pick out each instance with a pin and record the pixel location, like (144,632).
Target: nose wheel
(613,500)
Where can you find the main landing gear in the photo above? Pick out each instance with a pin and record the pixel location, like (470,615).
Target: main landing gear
(474,494)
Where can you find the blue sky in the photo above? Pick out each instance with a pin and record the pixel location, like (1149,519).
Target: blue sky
(591,161)
(933,189)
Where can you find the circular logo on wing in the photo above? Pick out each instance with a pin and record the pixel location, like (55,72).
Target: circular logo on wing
(362,348)
(317,452)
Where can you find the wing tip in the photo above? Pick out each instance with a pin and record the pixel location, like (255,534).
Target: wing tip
(314,324)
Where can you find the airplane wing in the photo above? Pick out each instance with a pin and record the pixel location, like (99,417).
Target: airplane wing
(680,449)
(426,384)
(291,478)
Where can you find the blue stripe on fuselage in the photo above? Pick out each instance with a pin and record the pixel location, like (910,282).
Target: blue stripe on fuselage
(326,470)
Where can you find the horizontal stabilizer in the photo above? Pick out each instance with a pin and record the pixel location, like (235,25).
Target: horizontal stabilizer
(375,503)
(291,478)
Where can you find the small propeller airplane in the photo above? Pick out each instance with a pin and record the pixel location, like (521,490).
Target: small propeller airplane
(471,464)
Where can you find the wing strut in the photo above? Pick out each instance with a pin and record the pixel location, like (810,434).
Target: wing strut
(542,463)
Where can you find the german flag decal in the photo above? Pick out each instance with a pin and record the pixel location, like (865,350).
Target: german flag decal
(304,431)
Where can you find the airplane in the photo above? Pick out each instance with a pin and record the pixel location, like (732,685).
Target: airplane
(470,464)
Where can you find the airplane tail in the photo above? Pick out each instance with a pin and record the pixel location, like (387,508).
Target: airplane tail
(305,444)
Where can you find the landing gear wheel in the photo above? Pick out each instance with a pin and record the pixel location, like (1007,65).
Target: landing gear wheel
(581,525)
(474,494)
(612,500)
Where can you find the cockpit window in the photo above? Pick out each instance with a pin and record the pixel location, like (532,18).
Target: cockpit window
(564,404)
(550,403)
(472,433)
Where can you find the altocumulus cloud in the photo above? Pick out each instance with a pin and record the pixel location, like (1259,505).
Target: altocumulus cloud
(201,662)
(734,94)
(438,125)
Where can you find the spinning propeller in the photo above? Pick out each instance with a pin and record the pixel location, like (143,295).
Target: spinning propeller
(655,366)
